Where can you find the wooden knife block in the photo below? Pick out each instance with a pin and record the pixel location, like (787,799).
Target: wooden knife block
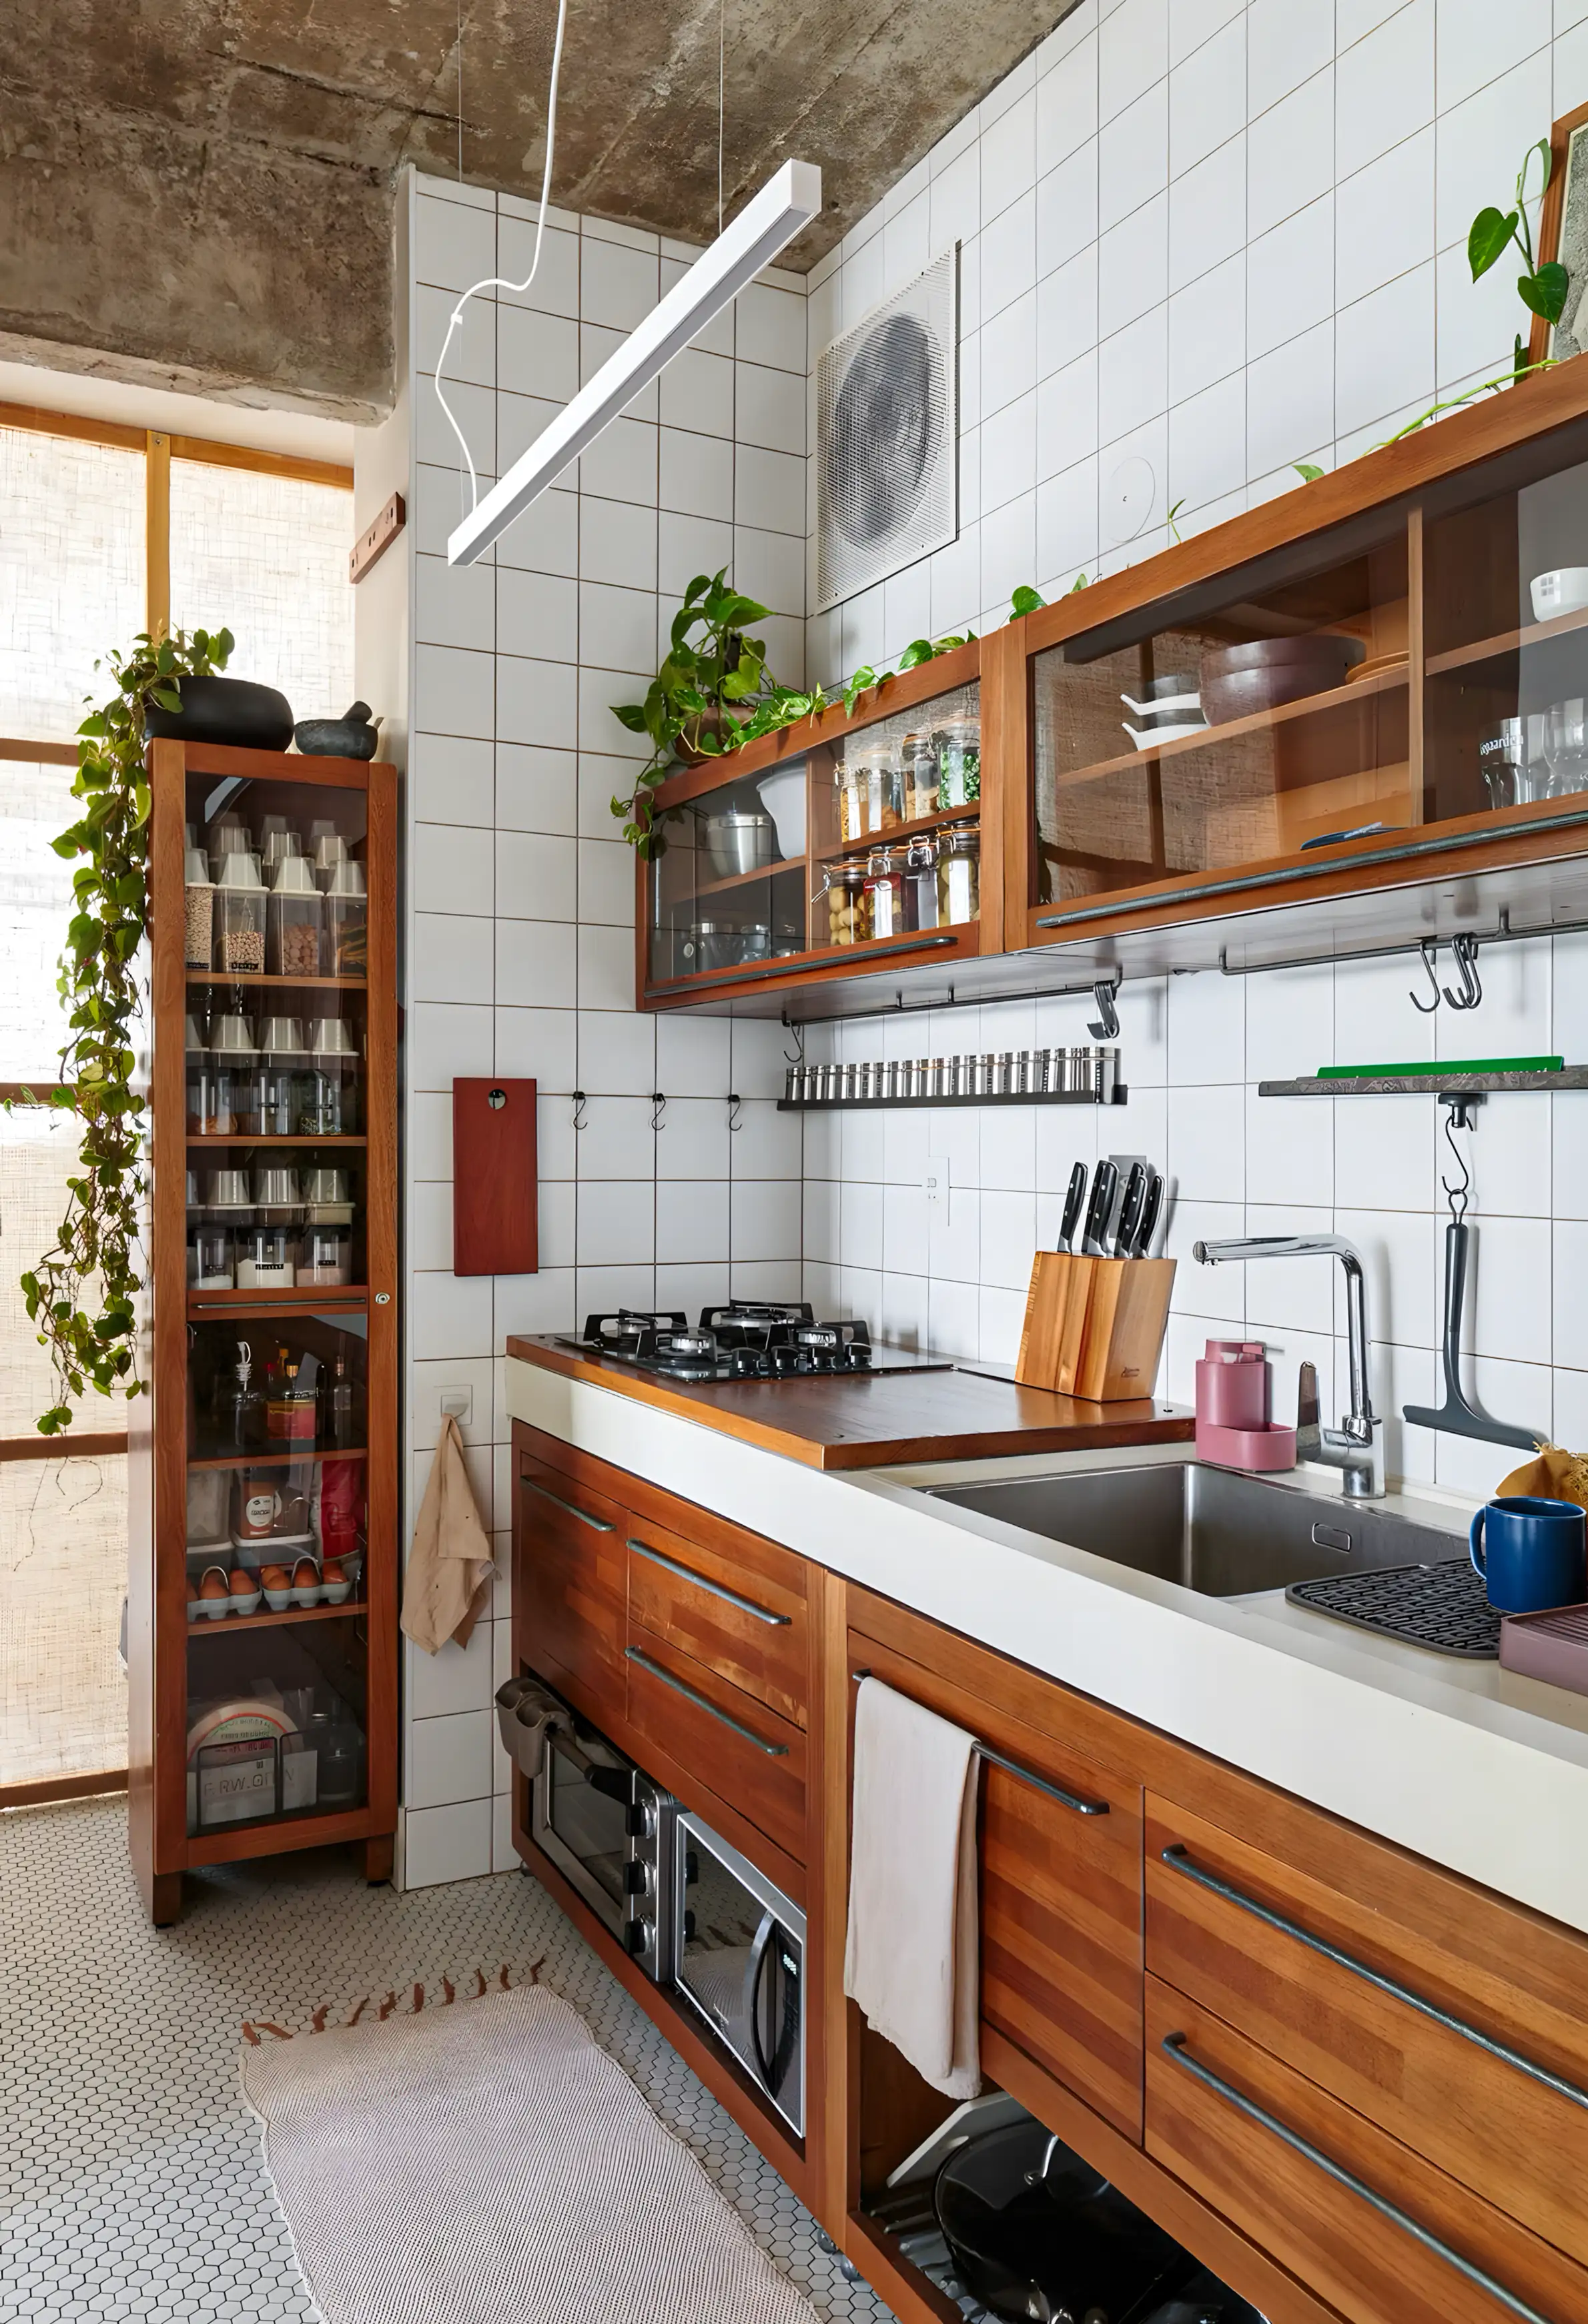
(1094,1327)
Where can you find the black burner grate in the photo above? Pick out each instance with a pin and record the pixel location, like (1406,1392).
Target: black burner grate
(1442,1607)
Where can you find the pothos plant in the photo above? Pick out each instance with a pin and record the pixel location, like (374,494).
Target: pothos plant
(714,693)
(81,1291)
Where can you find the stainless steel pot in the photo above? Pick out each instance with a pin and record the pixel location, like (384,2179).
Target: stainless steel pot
(740,839)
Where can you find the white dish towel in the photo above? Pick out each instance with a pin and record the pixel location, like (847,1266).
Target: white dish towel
(913,1956)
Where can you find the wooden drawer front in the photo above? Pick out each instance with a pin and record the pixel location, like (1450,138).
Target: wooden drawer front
(724,1612)
(1368,2225)
(1061,1896)
(568,1580)
(744,1752)
(1360,2005)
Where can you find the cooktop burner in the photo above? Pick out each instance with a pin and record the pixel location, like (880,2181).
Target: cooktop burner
(747,1339)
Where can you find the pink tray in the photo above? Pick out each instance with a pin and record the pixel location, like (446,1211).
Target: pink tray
(1272,1447)
(1553,1647)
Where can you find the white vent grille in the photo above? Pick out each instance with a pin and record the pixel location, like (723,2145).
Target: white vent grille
(887,430)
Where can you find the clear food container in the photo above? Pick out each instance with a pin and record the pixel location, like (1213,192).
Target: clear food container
(273,1108)
(347,920)
(211,1258)
(959,762)
(921,883)
(327,849)
(327,1084)
(276,1195)
(849,906)
(267,1258)
(239,916)
(277,840)
(325,1255)
(885,892)
(918,776)
(959,874)
(198,937)
(228,836)
(866,783)
(296,918)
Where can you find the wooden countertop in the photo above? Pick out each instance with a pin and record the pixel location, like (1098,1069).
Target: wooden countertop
(883,1421)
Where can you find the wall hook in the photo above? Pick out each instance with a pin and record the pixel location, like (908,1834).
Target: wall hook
(735,1107)
(1107,1025)
(1465,949)
(1429,952)
(795,1055)
(1459,1116)
(580,1102)
(1456,1417)
(658,1108)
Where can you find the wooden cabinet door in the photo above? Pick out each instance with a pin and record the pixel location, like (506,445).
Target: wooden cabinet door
(1425,2006)
(1373,2229)
(1061,1893)
(569,1576)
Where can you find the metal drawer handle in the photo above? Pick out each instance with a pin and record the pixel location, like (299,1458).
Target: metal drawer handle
(1076,1805)
(704,1703)
(1174,2046)
(715,1589)
(1178,1860)
(597,1525)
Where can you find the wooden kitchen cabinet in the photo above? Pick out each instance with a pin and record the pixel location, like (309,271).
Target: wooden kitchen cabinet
(569,1577)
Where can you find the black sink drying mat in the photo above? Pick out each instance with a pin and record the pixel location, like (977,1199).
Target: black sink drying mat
(1443,1607)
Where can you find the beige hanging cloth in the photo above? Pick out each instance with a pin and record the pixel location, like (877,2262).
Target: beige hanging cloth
(449,1568)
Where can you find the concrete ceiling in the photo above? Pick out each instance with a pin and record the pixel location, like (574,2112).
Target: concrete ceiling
(199,193)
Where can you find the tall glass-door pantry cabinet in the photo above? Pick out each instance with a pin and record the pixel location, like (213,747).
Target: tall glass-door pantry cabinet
(262,1648)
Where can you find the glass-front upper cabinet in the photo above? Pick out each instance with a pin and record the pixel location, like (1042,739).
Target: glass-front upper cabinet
(862,845)
(1273,719)
(1507,648)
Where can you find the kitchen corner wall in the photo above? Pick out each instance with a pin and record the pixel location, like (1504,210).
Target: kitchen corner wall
(519,930)
(1222,237)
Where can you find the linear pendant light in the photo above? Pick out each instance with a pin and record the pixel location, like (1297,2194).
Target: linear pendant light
(735,259)
(766,224)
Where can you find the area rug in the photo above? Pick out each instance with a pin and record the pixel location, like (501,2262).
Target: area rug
(489,2163)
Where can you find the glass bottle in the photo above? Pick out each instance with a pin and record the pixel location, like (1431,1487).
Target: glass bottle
(959,762)
(959,874)
(297,912)
(290,1413)
(884,888)
(239,1409)
(340,1430)
(848,904)
(239,916)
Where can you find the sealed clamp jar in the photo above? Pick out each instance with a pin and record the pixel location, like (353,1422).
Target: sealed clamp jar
(917,756)
(849,906)
(959,762)
(866,782)
(884,887)
(959,874)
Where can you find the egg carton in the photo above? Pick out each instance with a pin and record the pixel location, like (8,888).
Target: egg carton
(302,1595)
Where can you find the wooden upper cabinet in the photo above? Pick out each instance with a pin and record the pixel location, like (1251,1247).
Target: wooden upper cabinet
(1422,709)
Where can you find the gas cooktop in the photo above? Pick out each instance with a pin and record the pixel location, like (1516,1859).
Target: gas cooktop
(747,1339)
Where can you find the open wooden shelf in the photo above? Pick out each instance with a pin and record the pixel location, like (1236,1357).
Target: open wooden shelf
(278,1460)
(1505,642)
(279,984)
(745,879)
(1309,706)
(204,1626)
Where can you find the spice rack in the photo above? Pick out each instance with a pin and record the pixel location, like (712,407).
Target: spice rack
(1009,1077)
(268,1435)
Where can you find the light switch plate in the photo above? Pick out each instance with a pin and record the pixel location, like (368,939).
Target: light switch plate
(935,1182)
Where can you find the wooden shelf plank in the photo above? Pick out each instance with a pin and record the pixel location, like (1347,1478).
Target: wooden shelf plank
(1310,706)
(745,879)
(279,1459)
(255,976)
(246,1138)
(203,1627)
(1506,642)
(287,1295)
(898,834)
(1570,1077)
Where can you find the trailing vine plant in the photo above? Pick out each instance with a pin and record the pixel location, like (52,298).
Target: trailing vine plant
(81,1291)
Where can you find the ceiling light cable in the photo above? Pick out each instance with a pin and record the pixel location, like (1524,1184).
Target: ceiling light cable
(497,282)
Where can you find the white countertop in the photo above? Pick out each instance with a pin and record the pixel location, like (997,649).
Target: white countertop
(1465,1763)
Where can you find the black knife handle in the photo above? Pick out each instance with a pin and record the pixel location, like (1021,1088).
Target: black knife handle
(1150,1208)
(1075,1194)
(1131,1210)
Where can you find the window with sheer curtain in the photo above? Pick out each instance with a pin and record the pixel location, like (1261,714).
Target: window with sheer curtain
(263,553)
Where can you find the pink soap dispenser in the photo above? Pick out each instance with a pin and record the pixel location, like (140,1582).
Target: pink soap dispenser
(1232,1425)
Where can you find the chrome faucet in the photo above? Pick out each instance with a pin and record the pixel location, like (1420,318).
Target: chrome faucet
(1357,1446)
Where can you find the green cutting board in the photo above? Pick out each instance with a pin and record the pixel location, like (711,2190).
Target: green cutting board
(1429,1067)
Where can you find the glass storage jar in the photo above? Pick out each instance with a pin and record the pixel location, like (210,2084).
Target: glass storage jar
(347,920)
(327,1102)
(211,1262)
(199,936)
(271,1113)
(921,883)
(959,762)
(866,780)
(266,1259)
(226,1080)
(918,778)
(239,914)
(295,918)
(325,1255)
(849,920)
(959,874)
(884,888)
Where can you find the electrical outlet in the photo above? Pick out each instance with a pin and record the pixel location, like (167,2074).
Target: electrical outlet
(457,1404)
(935,1182)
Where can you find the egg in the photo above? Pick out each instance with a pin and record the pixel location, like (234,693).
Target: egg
(215,1584)
(306,1574)
(333,1572)
(275,1577)
(193,1593)
(242,1584)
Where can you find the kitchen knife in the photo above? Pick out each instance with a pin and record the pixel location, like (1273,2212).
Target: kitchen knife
(1147,1225)
(1131,1209)
(1074,1198)
(1104,1186)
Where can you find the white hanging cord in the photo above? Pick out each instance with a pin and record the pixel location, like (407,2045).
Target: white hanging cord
(497,282)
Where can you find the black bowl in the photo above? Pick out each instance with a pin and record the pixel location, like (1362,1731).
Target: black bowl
(233,710)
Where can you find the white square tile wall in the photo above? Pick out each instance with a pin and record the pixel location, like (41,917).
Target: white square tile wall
(520,894)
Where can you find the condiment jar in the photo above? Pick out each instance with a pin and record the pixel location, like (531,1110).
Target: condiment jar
(347,922)
(198,935)
(239,914)
(918,777)
(295,916)
(959,869)
(867,783)
(921,883)
(884,887)
(959,762)
(849,906)
(266,1258)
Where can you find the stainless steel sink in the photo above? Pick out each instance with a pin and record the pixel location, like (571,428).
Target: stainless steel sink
(1213,1530)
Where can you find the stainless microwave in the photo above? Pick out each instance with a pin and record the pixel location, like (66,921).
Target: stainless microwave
(738,1960)
(608,1830)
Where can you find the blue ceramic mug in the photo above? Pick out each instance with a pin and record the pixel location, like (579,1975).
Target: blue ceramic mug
(1531,1552)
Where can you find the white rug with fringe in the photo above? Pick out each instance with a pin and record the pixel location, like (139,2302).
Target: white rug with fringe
(490,2164)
